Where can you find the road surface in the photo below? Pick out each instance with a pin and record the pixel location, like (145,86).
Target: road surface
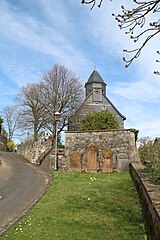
(21,186)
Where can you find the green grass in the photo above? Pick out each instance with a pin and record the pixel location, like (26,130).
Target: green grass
(84,206)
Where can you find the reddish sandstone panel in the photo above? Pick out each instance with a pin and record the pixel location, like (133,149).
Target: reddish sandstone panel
(92,162)
(74,162)
(107,161)
(107,165)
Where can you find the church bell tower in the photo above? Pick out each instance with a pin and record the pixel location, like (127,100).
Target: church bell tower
(95,86)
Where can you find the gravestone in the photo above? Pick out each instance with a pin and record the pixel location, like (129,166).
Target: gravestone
(122,162)
(92,162)
(107,166)
(74,162)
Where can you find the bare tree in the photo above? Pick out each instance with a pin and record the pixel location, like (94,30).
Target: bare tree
(31,109)
(133,19)
(59,90)
(63,92)
(1,122)
(11,118)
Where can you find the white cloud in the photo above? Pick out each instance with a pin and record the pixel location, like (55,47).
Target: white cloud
(37,36)
(151,129)
(21,73)
(57,14)
(139,115)
(139,90)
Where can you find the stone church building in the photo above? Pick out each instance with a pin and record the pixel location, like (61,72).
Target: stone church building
(89,150)
(95,100)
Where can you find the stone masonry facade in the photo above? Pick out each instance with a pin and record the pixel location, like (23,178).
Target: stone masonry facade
(106,151)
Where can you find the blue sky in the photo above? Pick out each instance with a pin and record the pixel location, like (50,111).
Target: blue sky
(36,34)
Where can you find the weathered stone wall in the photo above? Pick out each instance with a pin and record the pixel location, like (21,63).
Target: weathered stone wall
(149,198)
(3,143)
(40,152)
(106,151)
(120,143)
(32,150)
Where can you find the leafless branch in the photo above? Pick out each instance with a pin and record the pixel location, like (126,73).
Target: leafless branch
(132,19)
(158,61)
(93,2)
(137,51)
(136,18)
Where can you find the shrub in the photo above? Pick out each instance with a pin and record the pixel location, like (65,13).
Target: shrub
(149,152)
(153,172)
(146,150)
(10,145)
(99,121)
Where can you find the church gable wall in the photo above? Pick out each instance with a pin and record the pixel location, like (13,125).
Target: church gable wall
(90,106)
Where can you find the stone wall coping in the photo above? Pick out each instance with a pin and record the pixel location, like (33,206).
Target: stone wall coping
(151,188)
(149,198)
(138,166)
(107,130)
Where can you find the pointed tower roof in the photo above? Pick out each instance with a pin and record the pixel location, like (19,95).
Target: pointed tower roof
(95,78)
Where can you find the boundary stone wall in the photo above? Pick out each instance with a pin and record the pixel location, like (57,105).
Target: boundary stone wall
(38,152)
(119,143)
(106,151)
(149,198)
(3,143)
(32,151)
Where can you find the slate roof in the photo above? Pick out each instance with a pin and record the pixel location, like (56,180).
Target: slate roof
(122,116)
(95,78)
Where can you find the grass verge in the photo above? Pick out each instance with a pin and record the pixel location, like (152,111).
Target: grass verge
(86,206)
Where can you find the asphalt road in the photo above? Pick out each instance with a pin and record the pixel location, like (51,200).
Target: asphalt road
(21,186)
